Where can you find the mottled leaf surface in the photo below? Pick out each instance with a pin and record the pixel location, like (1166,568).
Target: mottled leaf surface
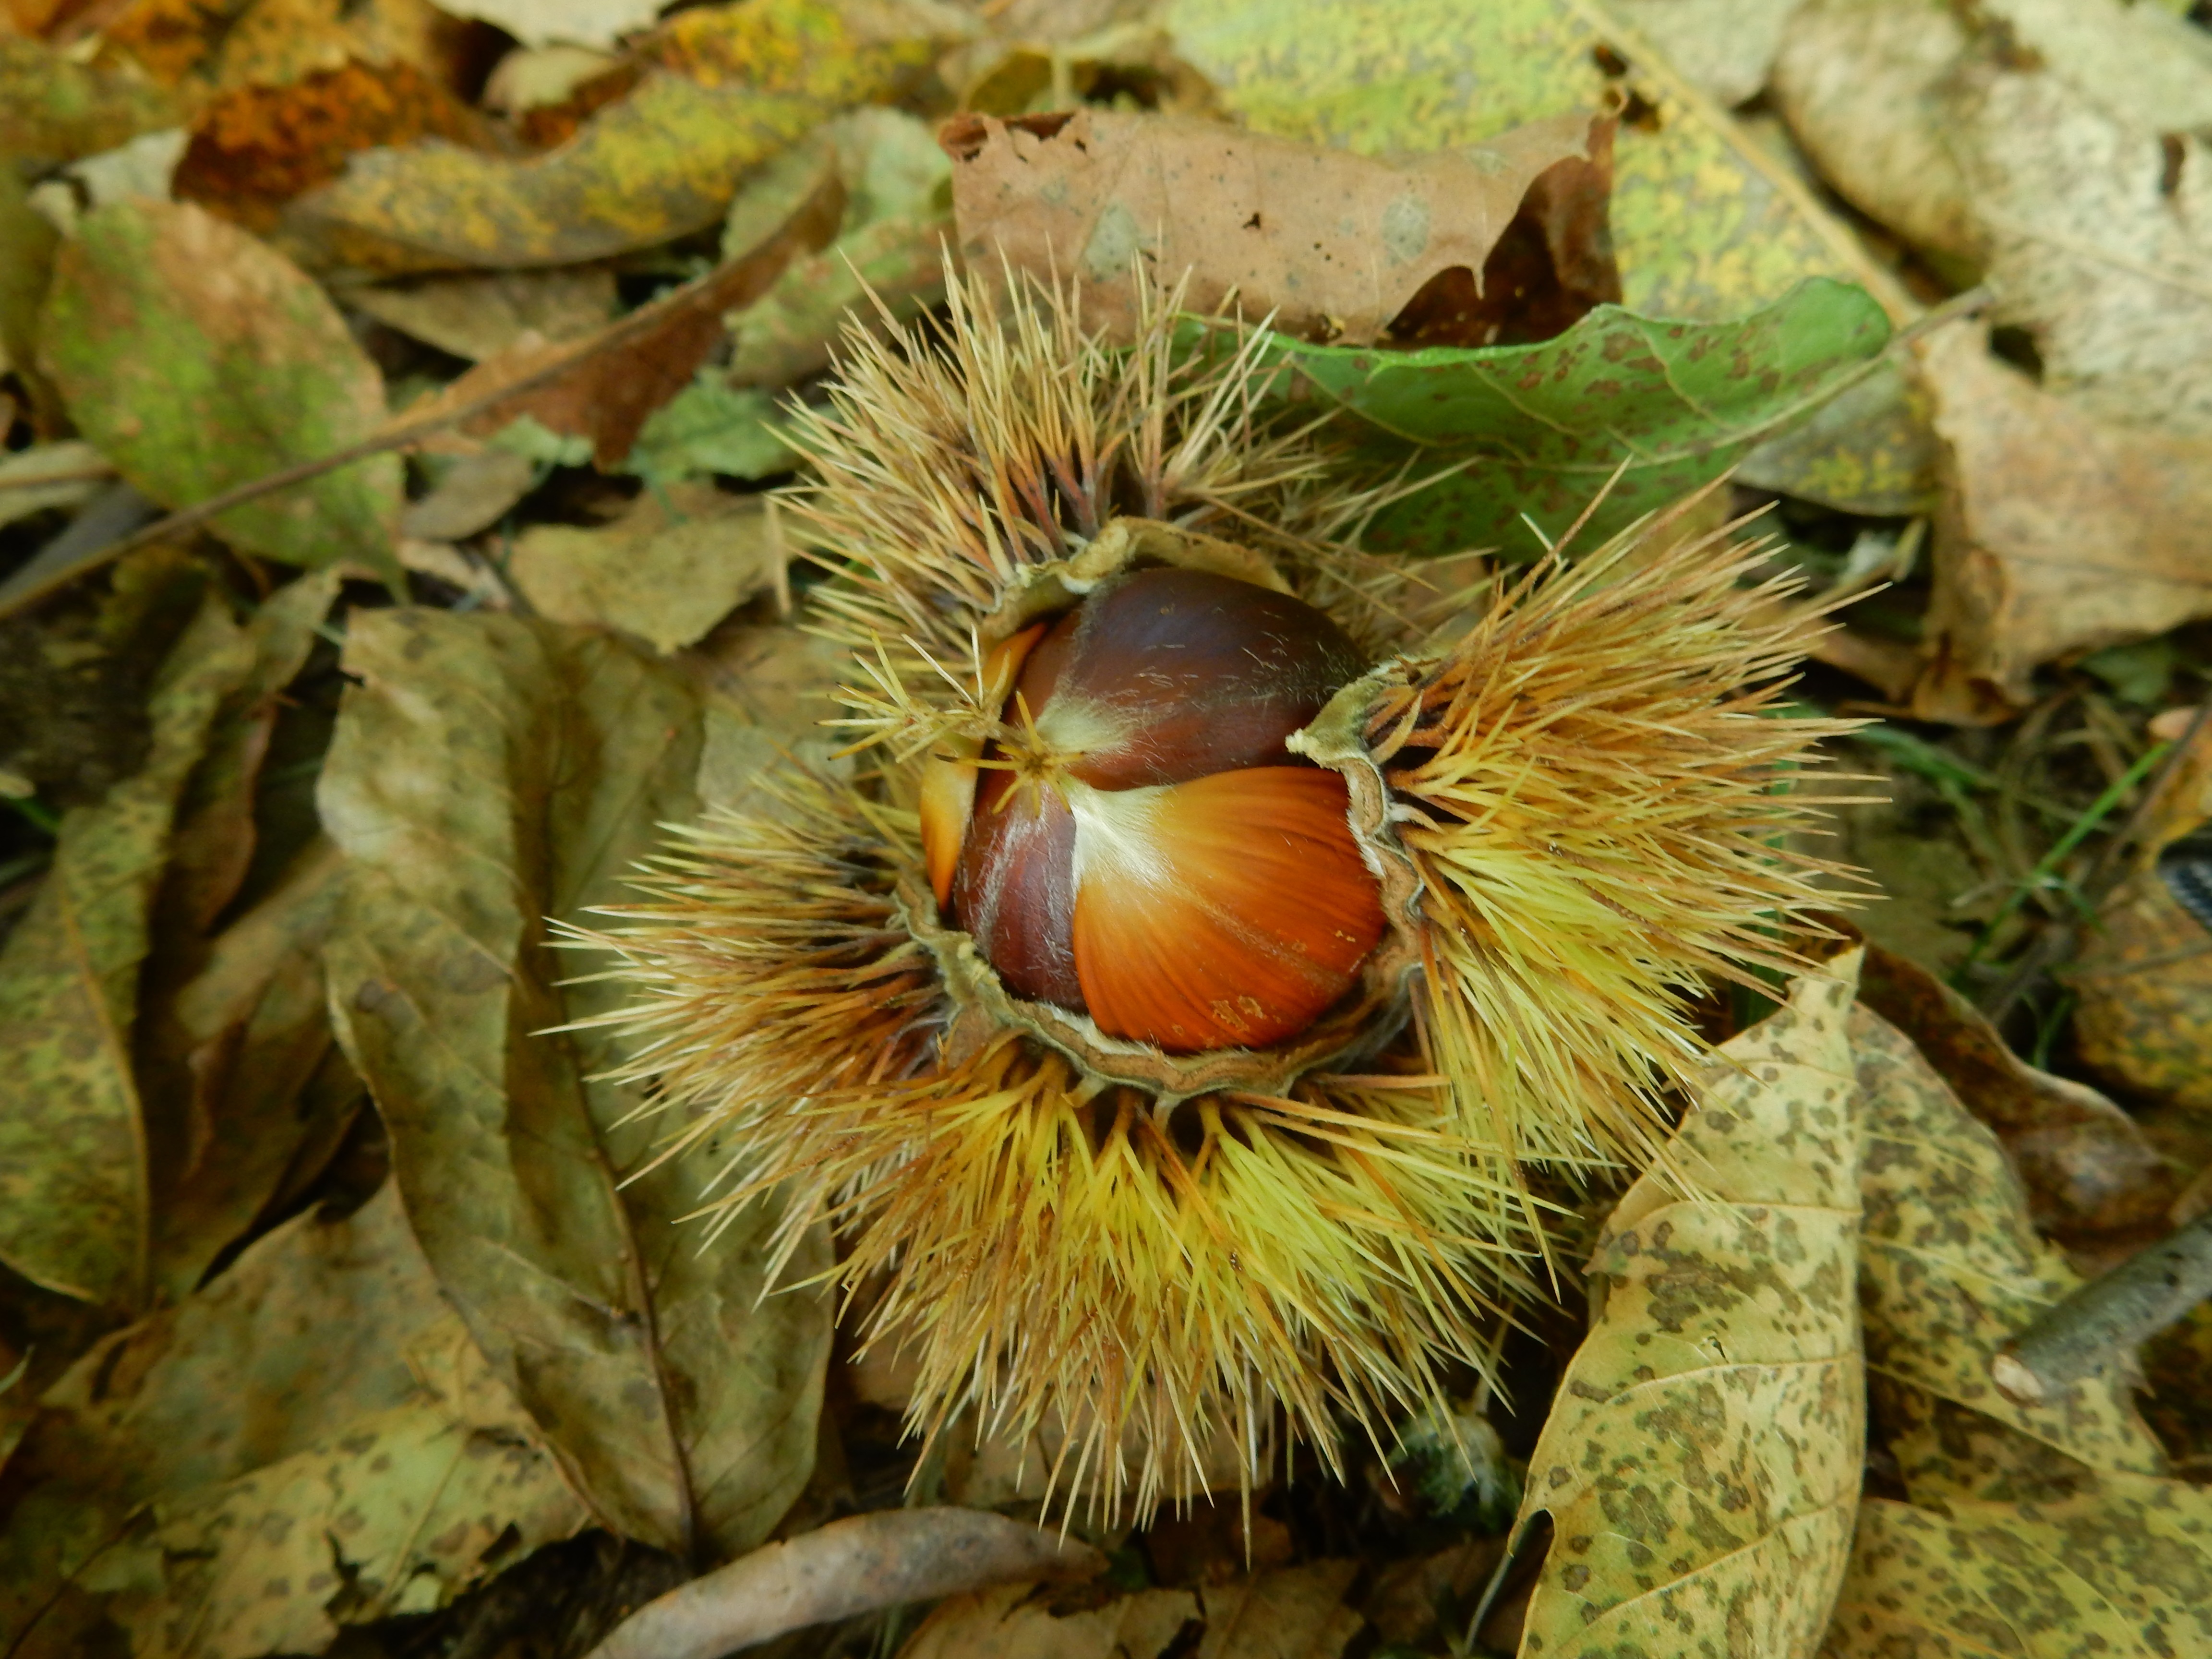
(198,359)
(74,1182)
(1701,1465)
(489,773)
(2041,1531)
(1539,429)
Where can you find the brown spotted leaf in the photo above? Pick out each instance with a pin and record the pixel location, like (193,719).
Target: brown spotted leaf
(2041,1532)
(1701,1465)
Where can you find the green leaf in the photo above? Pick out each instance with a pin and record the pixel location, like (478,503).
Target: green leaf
(712,427)
(487,773)
(1539,429)
(74,1182)
(198,359)
(1702,1462)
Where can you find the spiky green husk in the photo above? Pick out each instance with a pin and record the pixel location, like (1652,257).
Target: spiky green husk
(1594,803)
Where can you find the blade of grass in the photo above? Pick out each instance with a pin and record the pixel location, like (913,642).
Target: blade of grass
(2082,828)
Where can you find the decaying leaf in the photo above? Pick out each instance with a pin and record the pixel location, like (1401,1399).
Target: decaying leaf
(197,358)
(201,50)
(1705,223)
(305,1338)
(2042,1530)
(74,1182)
(1331,245)
(2086,1165)
(2052,145)
(1722,47)
(54,107)
(1951,1266)
(2059,532)
(678,562)
(1539,430)
(2142,979)
(1701,1464)
(252,150)
(489,773)
(1869,449)
(395,1514)
(660,164)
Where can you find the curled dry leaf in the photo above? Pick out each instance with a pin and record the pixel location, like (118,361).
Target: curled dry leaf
(1331,245)
(1707,225)
(2041,1530)
(2059,532)
(678,562)
(681,1400)
(198,359)
(1701,1464)
(74,1182)
(2086,1165)
(2051,144)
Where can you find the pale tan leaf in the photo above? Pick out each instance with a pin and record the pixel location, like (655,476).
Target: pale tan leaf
(680,560)
(1701,1464)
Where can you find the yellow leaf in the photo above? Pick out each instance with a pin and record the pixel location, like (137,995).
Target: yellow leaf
(1701,1464)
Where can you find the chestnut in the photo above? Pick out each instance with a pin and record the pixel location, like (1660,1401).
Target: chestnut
(1157,858)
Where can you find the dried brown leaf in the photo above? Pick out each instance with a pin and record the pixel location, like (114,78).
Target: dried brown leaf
(254,149)
(1295,1613)
(1336,246)
(2059,532)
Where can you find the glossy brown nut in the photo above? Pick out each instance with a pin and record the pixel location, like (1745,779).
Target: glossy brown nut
(1179,876)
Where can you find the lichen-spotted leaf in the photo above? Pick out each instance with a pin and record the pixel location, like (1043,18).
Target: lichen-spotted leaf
(1701,1465)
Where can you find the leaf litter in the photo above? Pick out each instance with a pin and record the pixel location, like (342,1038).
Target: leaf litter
(326,1303)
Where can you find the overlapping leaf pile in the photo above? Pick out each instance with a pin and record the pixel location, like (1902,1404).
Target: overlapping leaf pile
(341,1303)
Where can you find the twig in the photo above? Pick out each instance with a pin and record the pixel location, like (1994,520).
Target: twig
(859,1566)
(2108,1318)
